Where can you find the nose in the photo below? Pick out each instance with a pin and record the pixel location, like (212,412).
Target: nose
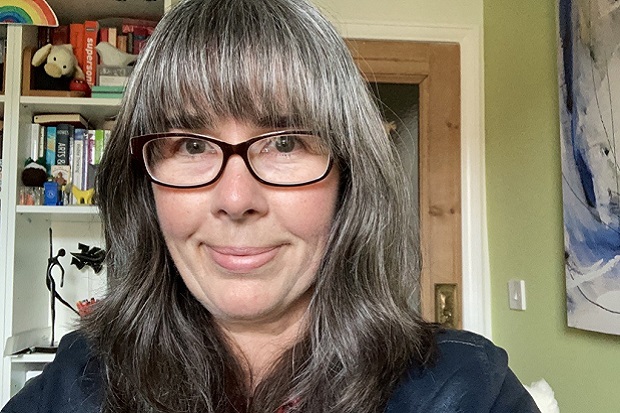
(237,195)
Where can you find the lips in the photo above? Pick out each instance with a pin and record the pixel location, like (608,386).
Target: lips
(242,259)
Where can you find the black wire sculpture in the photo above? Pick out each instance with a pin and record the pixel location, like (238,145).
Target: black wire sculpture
(53,262)
(88,256)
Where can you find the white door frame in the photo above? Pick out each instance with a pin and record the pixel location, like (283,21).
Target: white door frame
(476,277)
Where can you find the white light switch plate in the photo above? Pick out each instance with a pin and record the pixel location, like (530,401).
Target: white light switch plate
(516,294)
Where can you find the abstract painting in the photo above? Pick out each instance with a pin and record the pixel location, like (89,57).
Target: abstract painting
(589,87)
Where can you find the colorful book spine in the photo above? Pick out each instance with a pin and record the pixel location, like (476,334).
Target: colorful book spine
(78,158)
(99,142)
(140,36)
(76,37)
(130,43)
(103,34)
(60,34)
(85,160)
(91,146)
(44,36)
(121,42)
(91,28)
(35,140)
(64,132)
(112,36)
(50,152)
(42,142)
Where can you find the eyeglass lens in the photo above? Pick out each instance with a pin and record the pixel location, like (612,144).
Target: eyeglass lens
(289,159)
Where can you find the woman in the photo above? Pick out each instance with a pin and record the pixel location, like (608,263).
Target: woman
(261,251)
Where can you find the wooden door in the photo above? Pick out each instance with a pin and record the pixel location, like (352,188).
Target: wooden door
(435,68)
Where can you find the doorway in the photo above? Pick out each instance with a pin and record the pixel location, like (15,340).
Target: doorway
(418,84)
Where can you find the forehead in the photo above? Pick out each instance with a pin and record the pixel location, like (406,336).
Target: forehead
(234,131)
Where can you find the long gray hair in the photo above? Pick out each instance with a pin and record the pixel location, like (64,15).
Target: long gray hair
(269,62)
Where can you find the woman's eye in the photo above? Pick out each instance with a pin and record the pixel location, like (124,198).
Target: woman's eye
(285,143)
(194,146)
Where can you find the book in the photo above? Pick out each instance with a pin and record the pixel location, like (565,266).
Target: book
(99,144)
(91,168)
(64,133)
(121,42)
(60,34)
(105,95)
(113,75)
(140,36)
(130,25)
(74,119)
(77,173)
(108,89)
(76,37)
(42,142)
(50,147)
(91,146)
(44,36)
(91,28)
(35,140)
(129,42)
(112,38)
(103,34)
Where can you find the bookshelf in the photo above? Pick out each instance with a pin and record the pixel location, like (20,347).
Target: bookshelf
(24,229)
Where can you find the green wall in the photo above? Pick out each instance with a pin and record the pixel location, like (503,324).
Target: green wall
(525,212)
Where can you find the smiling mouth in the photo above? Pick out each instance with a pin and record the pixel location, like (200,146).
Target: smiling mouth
(242,259)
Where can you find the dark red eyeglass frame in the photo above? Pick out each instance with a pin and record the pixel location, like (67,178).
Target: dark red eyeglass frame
(136,147)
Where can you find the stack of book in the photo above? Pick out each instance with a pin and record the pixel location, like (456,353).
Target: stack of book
(125,34)
(71,148)
(109,92)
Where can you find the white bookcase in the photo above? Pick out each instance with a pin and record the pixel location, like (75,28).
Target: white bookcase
(24,230)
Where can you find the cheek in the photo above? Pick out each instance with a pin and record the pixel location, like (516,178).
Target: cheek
(310,215)
(173,211)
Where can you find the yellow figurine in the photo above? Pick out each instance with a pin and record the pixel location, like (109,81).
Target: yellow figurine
(84,197)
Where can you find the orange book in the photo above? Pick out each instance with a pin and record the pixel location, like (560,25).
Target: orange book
(91,28)
(76,37)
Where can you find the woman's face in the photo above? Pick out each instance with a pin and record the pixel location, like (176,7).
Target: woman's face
(247,251)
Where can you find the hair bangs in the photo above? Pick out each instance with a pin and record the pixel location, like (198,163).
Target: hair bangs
(218,68)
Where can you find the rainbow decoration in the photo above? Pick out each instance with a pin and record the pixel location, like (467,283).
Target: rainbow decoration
(31,12)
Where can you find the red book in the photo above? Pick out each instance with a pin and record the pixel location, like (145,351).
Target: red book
(76,37)
(91,28)
(103,34)
(60,35)
(140,36)
(129,25)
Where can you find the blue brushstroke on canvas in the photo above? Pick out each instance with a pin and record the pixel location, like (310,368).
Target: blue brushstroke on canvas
(589,79)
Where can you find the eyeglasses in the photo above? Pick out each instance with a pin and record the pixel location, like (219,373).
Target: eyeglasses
(190,160)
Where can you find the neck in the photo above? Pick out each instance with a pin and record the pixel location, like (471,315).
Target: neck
(258,345)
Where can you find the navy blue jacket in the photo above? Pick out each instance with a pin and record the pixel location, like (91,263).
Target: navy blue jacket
(471,376)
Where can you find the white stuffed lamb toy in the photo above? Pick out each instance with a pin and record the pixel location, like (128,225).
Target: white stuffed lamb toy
(59,61)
